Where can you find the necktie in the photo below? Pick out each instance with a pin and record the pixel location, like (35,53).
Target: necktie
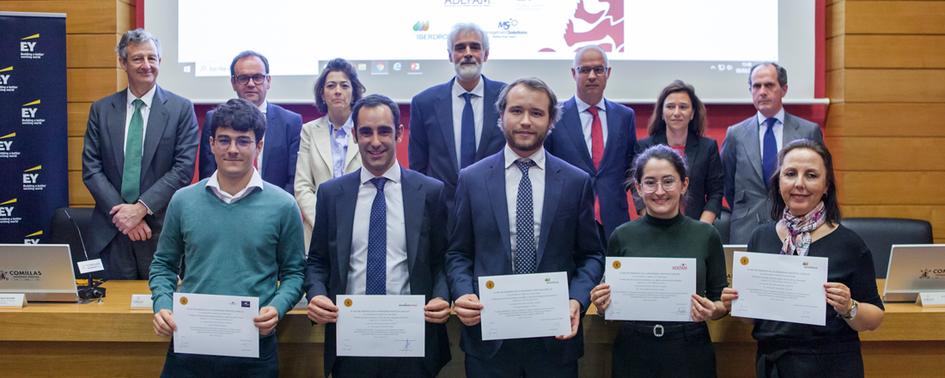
(526,255)
(467,151)
(131,172)
(377,242)
(597,151)
(769,156)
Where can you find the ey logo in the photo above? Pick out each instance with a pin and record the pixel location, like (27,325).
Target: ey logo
(26,43)
(6,208)
(31,178)
(6,142)
(33,238)
(29,110)
(5,77)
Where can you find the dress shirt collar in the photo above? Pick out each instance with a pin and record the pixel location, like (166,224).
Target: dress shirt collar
(479,90)
(511,157)
(392,174)
(583,106)
(147,98)
(779,116)
(255,181)
(347,126)
(262,107)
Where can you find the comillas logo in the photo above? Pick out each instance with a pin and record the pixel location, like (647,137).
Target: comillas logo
(6,212)
(6,146)
(31,179)
(29,114)
(6,74)
(33,238)
(28,47)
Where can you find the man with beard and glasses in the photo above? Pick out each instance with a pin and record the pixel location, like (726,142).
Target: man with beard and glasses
(453,124)
(523,211)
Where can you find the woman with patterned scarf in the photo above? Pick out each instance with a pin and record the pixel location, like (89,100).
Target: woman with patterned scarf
(807,223)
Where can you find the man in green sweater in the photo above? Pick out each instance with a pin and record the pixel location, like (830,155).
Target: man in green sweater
(237,235)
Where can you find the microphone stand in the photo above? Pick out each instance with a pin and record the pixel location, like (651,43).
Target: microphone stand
(91,290)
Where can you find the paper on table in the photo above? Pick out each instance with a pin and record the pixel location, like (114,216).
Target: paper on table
(380,325)
(524,305)
(650,288)
(780,287)
(217,325)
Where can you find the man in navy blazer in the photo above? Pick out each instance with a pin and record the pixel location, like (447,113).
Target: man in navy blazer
(249,75)
(345,244)
(450,129)
(598,136)
(501,202)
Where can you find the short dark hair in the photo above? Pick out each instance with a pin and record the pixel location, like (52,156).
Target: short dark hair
(831,205)
(246,54)
(532,83)
(661,152)
(782,72)
(696,124)
(134,37)
(338,65)
(239,115)
(373,101)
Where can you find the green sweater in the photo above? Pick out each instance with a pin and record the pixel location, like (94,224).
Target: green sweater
(680,237)
(252,247)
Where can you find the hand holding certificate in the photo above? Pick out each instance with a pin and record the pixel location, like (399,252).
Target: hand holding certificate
(780,287)
(217,325)
(380,325)
(650,289)
(524,305)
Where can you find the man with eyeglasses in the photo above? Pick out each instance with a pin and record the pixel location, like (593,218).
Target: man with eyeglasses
(454,124)
(249,75)
(140,147)
(597,136)
(239,236)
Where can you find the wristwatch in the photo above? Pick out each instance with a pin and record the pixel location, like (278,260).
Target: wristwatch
(852,313)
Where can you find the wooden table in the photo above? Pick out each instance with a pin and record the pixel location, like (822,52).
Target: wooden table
(110,339)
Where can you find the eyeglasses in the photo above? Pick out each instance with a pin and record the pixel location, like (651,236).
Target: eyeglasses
(241,142)
(650,185)
(583,70)
(244,79)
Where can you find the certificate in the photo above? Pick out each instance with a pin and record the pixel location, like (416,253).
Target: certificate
(524,305)
(650,288)
(380,325)
(780,287)
(216,325)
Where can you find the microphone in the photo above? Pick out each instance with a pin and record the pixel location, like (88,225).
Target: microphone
(91,290)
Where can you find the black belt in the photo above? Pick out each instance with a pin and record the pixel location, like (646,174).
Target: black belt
(669,330)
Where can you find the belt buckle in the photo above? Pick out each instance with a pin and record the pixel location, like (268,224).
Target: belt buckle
(658,330)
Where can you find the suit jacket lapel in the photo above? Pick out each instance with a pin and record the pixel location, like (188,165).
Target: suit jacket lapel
(789,133)
(352,152)
(115,127)
(344,211)
(157,122)
(414,208)
(322,138)
(752,147)
(271,135)
(576,133)
(490,119)
(444,117)
(495,189)
(615,127)
(549,208)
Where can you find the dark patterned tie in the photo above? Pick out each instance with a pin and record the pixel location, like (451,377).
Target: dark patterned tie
(377,242)
(467,140)
(526,255)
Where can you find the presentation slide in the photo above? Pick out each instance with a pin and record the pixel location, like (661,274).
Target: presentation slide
(400,48)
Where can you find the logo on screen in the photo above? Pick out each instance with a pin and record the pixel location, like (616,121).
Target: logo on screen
(28,114)
(605,27)
(421,26)
(508,24)
(6,74)
(932,274)
(21,275)
(6,212)
(33,238)
(466,3)
(28,47)
(6,146)
(31,179)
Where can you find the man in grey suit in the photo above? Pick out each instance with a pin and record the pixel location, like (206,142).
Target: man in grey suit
(140,147)
(749,154)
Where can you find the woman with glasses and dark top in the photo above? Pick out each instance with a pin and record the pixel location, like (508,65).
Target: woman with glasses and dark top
(807,223)
(667,349)
(679,121)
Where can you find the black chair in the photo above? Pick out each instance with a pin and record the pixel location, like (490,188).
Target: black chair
(62,231)
(722,224)
(881,233)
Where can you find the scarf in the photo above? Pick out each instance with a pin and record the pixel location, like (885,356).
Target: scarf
(799,228)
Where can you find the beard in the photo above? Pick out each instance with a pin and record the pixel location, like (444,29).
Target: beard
(468,71)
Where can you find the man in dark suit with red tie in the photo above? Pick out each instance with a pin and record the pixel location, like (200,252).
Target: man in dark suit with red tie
(598,136)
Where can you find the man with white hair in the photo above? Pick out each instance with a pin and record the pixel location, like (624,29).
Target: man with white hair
(454,124)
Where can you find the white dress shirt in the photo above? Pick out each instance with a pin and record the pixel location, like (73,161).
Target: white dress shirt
(587,120)
(398,274)
(513,176)
(459,103)
(254,182)
(778,130)
(148,98)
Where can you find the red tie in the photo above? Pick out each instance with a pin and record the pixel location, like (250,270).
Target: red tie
(597,151)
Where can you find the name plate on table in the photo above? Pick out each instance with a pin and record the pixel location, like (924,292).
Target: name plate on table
(931,299)
(141,302)
(90,266)
(12,300)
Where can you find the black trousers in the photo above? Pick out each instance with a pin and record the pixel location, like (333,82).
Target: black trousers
(125,259)
(834,359)
(198,365)
(520,358)
(682,350)
(379,367)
